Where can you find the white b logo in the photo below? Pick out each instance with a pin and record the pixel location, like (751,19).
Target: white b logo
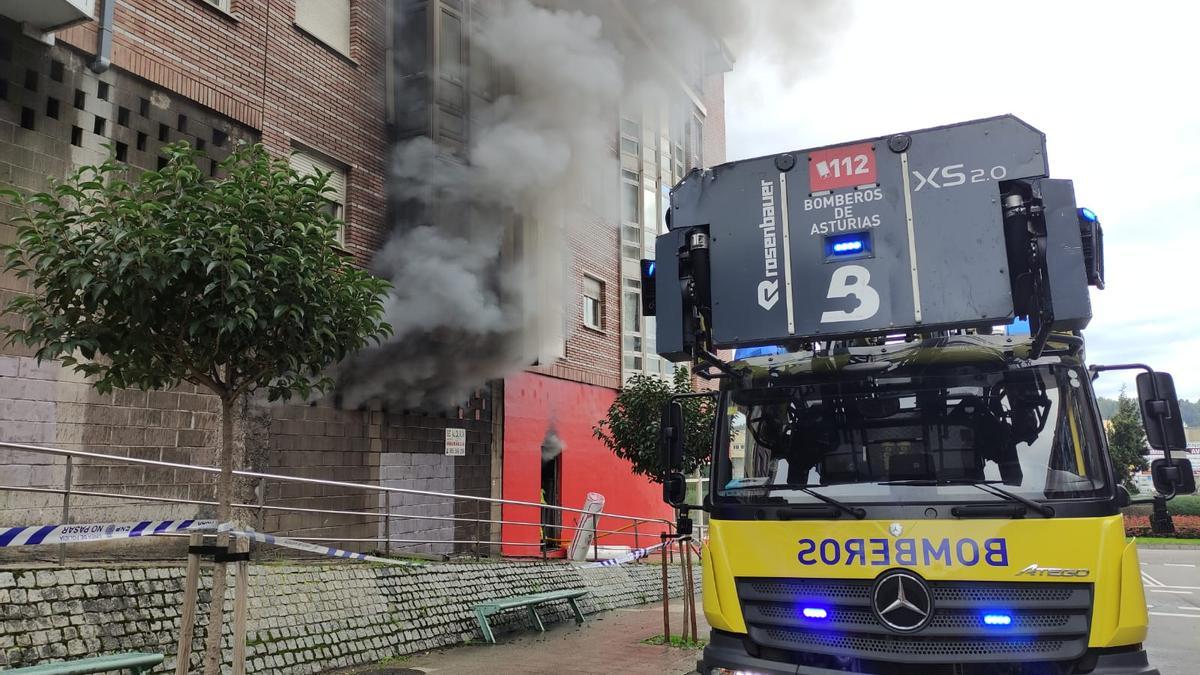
(851,280)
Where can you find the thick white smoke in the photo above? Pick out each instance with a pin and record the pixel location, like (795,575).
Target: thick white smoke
(478,259)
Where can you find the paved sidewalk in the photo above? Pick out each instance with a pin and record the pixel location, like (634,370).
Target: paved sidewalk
(610,642)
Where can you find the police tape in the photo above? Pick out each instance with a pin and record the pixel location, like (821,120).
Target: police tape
(288,542)
(37,535)
(635,554)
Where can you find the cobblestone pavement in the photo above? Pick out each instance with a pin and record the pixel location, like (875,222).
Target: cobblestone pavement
(610,642)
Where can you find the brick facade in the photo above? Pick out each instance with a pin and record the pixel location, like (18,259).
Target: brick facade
(184,70)
(592,356)
(255,66)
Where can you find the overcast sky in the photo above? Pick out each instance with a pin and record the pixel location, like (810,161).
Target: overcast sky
(1114,88)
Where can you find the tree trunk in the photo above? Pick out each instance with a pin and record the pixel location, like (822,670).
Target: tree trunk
(216,608)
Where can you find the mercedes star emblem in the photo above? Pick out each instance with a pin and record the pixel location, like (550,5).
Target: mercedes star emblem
(902,601)
(895,529)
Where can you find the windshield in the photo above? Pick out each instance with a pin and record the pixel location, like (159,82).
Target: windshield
(919,437)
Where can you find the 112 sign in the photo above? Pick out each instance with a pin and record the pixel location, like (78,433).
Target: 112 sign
(846,166)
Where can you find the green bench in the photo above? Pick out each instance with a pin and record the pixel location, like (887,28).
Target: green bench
(485,609)
(138,662)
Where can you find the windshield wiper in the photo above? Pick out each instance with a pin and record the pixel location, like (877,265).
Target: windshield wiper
(986,486)
(842,506)
(806,489)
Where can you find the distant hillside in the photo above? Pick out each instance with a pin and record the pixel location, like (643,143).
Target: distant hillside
(1189,410)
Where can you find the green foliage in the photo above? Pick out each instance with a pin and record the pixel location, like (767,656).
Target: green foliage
(1184,505)
(1126,441)
(676,641)
(631,427)
(1108,407)
(233,283)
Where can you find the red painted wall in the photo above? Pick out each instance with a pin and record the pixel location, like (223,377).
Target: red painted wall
(532,403)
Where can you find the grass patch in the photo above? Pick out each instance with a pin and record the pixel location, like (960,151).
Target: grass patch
(1169,540)
(1183,505)
(675,641)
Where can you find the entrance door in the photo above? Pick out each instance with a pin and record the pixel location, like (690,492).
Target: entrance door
(551,493)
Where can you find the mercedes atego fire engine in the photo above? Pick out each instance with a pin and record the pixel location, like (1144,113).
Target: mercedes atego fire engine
(896,485)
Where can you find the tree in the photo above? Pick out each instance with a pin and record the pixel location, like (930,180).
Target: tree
(631,426)
(231,283)
(1126,441)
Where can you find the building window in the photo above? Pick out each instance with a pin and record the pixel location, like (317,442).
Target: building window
(222,5)
(593,303)
(326,20)
(631,230)
(307,164)
(631,133)
(633,312)
(695,149)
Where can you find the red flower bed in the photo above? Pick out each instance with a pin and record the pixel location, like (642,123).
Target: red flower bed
(1186,527)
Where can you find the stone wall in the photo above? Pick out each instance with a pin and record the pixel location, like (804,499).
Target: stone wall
(302,618)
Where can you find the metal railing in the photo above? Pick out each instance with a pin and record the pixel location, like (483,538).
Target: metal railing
(376,515)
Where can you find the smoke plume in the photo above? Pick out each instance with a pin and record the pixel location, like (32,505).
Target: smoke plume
(477,256)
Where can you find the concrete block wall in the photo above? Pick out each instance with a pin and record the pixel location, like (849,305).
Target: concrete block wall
(302,618)
(414,457)
(56,114)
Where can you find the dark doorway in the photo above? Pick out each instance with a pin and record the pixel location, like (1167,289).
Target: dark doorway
(552,491)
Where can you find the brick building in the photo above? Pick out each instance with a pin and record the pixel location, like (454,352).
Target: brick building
(295,75)
(657,134)
(317,78)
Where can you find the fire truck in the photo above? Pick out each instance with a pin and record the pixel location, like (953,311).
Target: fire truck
(899,484)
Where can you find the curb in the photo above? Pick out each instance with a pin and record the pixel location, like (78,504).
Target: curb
(1169,547)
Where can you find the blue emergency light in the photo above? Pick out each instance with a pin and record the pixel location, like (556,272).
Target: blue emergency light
(848,246)
(814,613)
(997,619)
(747,352)
(1088,215)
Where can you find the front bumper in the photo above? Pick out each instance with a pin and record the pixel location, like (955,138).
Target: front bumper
(726,650)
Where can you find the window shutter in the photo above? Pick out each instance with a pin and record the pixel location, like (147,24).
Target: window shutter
(307,164)
(327,20)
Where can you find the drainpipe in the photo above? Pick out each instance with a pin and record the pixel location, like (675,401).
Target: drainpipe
(104,35)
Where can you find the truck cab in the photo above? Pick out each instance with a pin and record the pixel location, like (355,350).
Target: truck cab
(917,492)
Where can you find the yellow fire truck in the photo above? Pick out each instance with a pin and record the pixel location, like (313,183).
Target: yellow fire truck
(900,481)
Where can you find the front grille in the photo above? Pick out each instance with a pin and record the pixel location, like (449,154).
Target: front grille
(1049,621)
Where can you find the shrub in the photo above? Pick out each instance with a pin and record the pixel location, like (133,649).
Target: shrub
(1186,527)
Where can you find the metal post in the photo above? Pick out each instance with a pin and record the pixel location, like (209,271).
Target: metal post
(636,542)
(666,595)
(478,518)
(66,510)
(595,539)
(691,589)
(262,504)
(683,578)
(387,523)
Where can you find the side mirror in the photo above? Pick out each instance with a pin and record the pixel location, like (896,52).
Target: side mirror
(670,438)
(1123,497)
(1173,476)
(1160,412)
(675,489)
